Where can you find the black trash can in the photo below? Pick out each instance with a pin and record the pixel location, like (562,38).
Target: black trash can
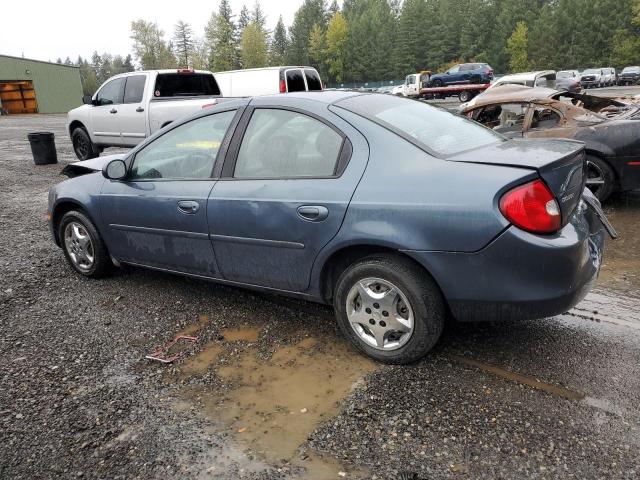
(43,148)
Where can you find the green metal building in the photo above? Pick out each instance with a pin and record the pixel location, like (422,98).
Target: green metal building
(33,86)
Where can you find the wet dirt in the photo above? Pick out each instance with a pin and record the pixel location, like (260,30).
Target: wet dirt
(270,406)
(621,263)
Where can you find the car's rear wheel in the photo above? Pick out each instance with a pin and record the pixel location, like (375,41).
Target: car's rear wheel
(600,178)
(389,309)
(82,145)
(83,247)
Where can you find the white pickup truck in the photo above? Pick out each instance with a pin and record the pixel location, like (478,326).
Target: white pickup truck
(129,107)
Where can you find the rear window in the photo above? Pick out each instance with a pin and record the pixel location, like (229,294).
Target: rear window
(313,79)
(433,129)
(295,80)
(185,85)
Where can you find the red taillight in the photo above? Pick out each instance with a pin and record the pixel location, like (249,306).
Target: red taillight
(532,207)
(185,70)
(283,86)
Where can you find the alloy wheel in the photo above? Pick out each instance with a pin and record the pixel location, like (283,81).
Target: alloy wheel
(79,246)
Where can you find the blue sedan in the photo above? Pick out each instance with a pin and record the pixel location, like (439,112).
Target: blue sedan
(399,214)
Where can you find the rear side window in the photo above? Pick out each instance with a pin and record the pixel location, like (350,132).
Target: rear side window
(134,88)
(430,128)
(295,80)
(313,79)
(284,144)
(185,85)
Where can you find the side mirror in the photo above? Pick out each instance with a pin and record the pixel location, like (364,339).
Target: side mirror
(115,170)
(87,99)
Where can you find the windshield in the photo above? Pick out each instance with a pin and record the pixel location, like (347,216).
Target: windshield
(565,75)
(432,129)
(631,70)
(591,70)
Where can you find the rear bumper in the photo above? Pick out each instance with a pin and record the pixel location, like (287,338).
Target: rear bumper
(519,275)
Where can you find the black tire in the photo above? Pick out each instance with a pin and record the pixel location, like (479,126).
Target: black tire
(599,170)
(437,83)
(465,96)
(83,147)
(416,285)
(102,264)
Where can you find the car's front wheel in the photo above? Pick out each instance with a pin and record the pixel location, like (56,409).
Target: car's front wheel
(389,308)
(82,145)
(437,83)
(83,247)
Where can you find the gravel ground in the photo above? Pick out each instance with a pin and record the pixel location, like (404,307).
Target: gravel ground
(78,399)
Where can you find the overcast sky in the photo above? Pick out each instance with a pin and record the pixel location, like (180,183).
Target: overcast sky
(58,28)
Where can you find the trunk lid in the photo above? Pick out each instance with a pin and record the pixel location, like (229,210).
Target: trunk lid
(560,163)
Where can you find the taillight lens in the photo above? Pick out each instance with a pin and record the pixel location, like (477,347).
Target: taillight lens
(532,207)
(283,86)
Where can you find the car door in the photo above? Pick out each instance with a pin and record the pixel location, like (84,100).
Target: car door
(104,112)
(157,216)
(452,76)
(133,119)
(283,193)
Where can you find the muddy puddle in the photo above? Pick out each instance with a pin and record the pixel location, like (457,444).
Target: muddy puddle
(270,406)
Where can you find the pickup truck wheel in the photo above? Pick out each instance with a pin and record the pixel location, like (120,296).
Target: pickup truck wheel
(82,145)
(389,309)
(600,178)
(465,96)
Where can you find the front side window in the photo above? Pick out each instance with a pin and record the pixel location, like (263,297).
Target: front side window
(544,118)
(111,92)
(467,67)
(295,80)
(285,144)
(188,151)
(454,69)
(134,88)
(433,129)
(503,118)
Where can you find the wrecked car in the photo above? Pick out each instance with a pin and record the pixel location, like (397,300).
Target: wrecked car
(610,128)
(397,213)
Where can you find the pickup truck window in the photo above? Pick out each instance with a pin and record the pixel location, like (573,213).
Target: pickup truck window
(111,92)
(134,89)
(185,85)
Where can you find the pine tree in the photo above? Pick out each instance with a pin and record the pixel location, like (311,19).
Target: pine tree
(244,18)
(279,44)
(221,39)
(257,16)
(254,46)
(183,39)
(310,13)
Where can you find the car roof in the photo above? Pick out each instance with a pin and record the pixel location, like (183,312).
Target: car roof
(527,75)
(510,93)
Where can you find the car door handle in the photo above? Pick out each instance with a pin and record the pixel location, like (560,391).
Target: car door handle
(188,206)
(139,109)
(113,110)
(313,213)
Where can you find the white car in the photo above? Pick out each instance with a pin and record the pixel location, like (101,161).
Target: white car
(542,78)
(592,78)
(253,82)
(129,107)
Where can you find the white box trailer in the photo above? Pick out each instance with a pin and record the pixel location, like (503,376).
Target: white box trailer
(267,81)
